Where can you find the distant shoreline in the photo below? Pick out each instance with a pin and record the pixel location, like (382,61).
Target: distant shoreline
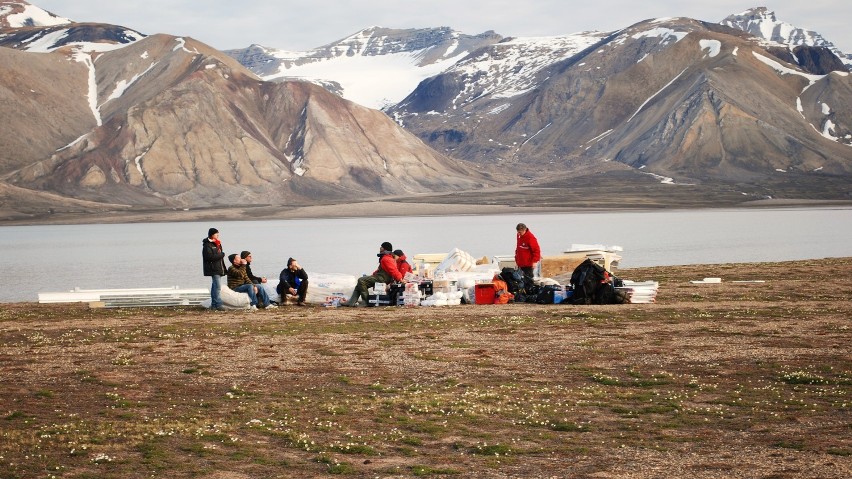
(369,209)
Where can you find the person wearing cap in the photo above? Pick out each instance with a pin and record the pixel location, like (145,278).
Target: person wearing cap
(214,265)
(401,264)
(527,251)
(246,255)
(239,281)
(293,280)
(386,273)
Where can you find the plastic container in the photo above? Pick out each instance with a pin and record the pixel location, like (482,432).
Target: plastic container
(484,293)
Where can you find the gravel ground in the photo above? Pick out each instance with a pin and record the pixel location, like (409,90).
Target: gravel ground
(726,380)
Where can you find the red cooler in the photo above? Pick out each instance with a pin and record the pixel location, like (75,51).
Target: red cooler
(484,293)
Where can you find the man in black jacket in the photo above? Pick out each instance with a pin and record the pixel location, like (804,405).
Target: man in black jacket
(246,255)
(293,280)
(214,265)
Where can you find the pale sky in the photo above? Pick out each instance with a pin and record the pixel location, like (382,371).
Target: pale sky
(305,24)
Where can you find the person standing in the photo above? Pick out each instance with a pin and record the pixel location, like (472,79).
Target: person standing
(386,273)
(293,280)
(214,265)
(527,251)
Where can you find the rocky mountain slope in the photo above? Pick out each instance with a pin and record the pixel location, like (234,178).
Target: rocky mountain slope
(684,100)
(749,99)
(168,121)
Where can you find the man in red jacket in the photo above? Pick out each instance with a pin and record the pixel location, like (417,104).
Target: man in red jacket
(527,252)
(386,273)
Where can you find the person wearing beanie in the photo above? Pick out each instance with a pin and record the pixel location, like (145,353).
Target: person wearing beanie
(293,281)
(386,273)
(214,265)
(262,295)
(401,264)
(246,255)
(239,282)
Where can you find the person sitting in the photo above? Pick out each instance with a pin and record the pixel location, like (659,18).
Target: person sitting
(293,280)
(239,281)
(386,273)
(246,255)
(401,264)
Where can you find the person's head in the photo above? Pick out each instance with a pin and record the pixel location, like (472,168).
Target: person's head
(521,228)
(246,255)
(234,259)
(386,247)
(213,233)
(292,264)
(398,253)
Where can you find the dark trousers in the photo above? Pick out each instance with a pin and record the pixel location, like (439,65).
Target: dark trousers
(528,272)
(367,282)
(301,292)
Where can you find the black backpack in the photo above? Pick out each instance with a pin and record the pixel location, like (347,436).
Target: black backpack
(589,287)
(586,280)
(515,281)
(546,294)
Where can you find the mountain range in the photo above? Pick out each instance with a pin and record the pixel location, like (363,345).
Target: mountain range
(101,117)
(164,121)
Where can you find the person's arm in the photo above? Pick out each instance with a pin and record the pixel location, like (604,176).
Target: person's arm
(535,250)
(389,265)
(251,276)
(211,253)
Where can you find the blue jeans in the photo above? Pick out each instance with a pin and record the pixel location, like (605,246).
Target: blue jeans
(262,296)
(216,292)
(248,289)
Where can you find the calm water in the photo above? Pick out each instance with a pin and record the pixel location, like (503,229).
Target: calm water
(59,258)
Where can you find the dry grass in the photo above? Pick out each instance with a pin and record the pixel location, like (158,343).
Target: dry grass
(730,380)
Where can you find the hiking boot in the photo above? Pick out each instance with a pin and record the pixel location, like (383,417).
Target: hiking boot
(271,306)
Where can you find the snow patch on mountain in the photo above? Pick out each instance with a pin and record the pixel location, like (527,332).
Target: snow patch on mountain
(762,23)
(655,94)
(375,67)
(786,70)
(123,85)
(511,68)
(713,47)
(665,33)
(181,45)
(92,93)
(53,40)
(372,81)
(30,16)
